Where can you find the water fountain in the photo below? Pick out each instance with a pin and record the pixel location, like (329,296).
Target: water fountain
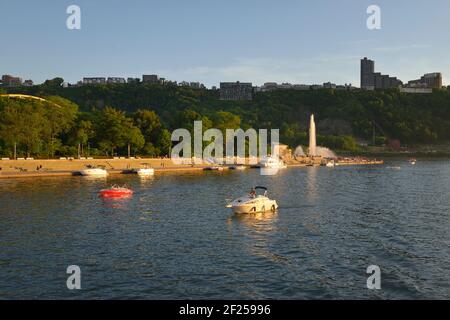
(312,138)
(298,152)
(314,150)
(325,153)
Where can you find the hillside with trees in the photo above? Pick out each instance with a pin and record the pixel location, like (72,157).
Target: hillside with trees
(108,119)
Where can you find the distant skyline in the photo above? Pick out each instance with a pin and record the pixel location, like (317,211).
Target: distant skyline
(211,41)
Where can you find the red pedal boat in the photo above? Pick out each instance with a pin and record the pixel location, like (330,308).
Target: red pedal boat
(116,192)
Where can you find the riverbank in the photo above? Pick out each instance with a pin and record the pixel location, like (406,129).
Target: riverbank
(68,167)
(404,155)
(440,151)
(62,167)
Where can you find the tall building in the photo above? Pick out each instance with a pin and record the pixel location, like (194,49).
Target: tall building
(236,91)
(429,80)
(367,74)
(10,81)
(371,80)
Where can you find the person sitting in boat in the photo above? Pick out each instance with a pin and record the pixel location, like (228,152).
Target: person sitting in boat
(253,193)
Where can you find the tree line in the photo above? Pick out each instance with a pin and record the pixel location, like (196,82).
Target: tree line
(109,119)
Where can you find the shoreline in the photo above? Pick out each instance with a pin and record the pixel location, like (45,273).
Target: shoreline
(11,169)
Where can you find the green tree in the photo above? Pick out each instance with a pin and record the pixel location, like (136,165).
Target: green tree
(114,130)
(223,120)
(185,119)
(61,114)
(157,138)
(23,124)
(80,134)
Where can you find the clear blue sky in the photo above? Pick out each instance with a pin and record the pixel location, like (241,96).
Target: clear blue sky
(215,40)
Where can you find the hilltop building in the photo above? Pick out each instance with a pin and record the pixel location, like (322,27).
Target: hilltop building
(116,80)
(10,81)
(429,80)
(194,85)
(367,74)
(234,91)
(28,83)
(272,86)
(133,80)
(416,90)
(151,78)
(94,80)
(371,80)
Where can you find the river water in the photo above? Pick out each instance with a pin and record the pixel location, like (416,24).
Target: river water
(174,239)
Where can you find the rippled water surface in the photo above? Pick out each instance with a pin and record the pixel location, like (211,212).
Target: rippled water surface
(175,239)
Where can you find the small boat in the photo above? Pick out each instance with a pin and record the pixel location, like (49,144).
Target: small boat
(116,192)
(214,168)
(238,167)
(330,164)
(146,171)
(272,162)
(254,202)
(94,172)
(412,161)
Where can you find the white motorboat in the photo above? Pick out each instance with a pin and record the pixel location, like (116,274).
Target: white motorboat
(331,164)
(94,172)
(272,163)
(254,202)
(146,171)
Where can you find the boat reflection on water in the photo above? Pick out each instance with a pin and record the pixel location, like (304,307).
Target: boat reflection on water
(116,203)
(269,171)
(94,178)
(256,235)
(146,180)
(260,221)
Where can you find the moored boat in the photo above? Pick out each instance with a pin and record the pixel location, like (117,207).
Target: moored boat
(331,164)
(146,171)
(272,163)
(94,172)
(214,168)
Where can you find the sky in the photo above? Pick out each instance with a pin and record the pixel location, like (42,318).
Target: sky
(211,41)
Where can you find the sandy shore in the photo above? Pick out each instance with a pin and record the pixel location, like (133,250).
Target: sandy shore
(54,168)
(48,168)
